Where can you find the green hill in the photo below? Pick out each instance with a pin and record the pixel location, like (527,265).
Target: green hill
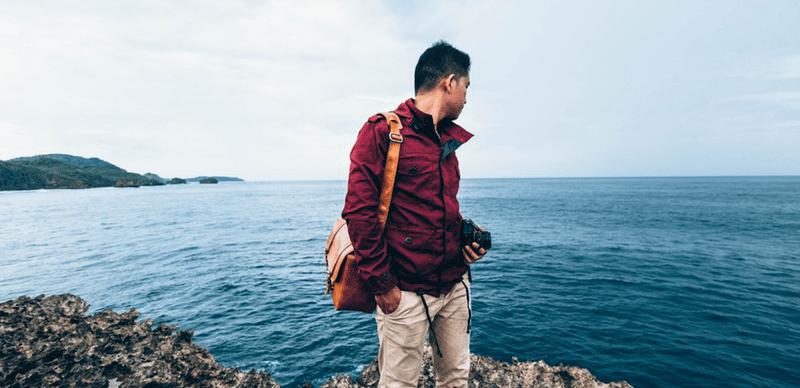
(59,171)
(76,161)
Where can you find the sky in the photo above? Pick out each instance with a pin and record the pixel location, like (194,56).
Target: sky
(277,90)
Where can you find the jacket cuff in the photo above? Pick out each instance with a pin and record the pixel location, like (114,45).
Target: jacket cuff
(381,284)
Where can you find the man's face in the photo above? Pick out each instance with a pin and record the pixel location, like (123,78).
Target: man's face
(458,97)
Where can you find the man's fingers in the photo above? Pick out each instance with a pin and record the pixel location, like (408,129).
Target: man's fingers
(390,301)
(389,308)
(470,254)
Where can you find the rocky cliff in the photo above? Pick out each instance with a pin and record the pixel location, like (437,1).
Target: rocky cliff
(49,341)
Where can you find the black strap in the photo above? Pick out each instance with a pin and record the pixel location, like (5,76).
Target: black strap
(469,308)
(430,323)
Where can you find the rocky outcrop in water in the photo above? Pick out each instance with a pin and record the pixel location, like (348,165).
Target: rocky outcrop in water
(209,180)
(218,178)
(127,183)
(49,341)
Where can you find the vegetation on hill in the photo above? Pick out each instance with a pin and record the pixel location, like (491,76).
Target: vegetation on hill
(60,171)
(150,175)
(76,161)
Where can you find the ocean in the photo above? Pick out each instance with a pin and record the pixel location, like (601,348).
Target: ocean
(662,282)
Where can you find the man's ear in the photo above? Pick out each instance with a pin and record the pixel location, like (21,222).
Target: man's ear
(450,82)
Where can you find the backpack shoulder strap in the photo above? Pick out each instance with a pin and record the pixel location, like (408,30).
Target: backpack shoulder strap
(390,170)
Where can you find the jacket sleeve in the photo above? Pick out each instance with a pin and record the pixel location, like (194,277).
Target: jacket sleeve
(367,161)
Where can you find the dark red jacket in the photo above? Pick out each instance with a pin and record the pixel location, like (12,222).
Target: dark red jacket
(420,249)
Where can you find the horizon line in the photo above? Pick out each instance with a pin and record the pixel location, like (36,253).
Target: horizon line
(561,177)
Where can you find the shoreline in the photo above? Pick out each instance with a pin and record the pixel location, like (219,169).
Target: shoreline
(51,341)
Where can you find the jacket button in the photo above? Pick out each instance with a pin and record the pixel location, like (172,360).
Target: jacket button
(385,276)
(409,240)
(448,228)
(413,171)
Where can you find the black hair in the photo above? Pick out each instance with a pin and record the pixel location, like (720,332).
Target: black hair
(439,60)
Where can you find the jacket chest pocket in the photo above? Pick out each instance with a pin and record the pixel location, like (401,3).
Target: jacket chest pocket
(417,167)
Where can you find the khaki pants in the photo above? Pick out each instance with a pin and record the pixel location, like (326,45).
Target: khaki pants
(402,335)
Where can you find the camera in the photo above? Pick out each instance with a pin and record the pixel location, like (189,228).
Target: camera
(471,233)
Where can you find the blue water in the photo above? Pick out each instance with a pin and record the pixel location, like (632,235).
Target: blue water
(663,282)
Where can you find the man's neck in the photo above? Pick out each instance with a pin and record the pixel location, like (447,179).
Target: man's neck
(432,104)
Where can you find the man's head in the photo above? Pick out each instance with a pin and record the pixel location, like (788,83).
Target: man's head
(443,68)
(437,62)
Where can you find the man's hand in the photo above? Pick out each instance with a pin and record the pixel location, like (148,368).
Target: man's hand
(389,301)
(473,253)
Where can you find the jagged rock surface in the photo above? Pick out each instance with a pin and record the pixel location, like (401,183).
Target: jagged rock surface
(48,341)
(486,372)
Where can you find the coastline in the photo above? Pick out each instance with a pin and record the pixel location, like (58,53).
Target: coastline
(51,340)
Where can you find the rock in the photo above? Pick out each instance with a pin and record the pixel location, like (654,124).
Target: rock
(151,182)
(48,341)
(211,180)
(342,381)
(487,372)
(127,183)
(176,181)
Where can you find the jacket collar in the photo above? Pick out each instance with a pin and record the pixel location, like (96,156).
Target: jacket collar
(421,121)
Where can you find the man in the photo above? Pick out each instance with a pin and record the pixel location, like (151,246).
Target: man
(417,268)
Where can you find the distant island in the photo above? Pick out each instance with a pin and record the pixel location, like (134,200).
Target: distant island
(197,179)
(217,178)
(60,171)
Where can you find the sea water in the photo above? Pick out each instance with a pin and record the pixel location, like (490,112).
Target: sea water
(662,282)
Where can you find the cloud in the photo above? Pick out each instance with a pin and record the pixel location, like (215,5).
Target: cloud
(195,78)
(785,67)
(278,89)
(15,137)
(786,124)
(786,100)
